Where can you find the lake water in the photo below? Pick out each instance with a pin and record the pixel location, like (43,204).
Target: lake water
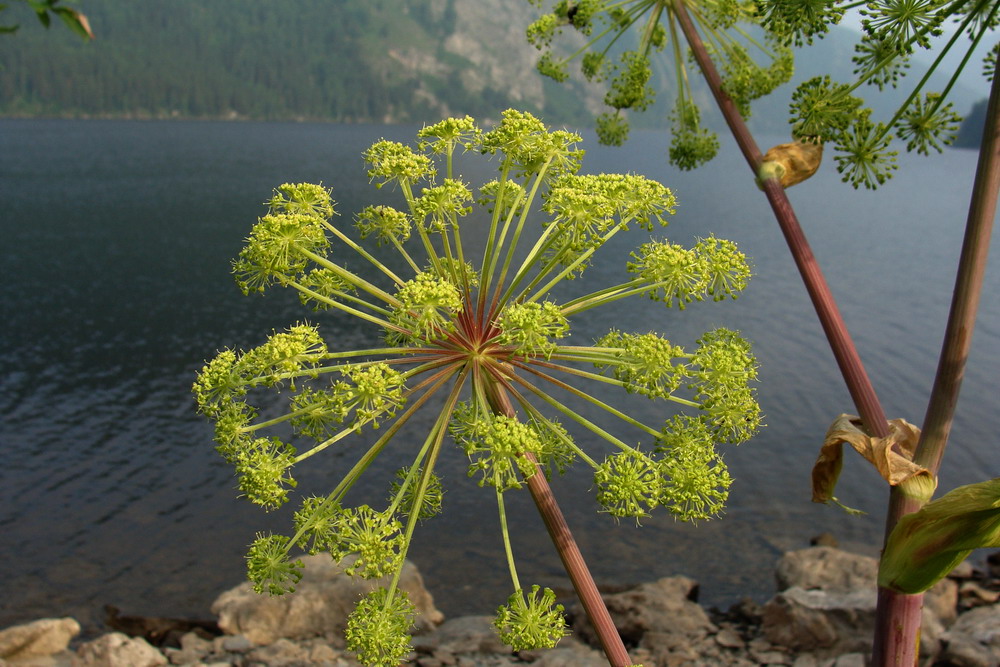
(117,238)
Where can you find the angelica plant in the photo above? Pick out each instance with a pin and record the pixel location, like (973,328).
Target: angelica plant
(822,110)
(489,338)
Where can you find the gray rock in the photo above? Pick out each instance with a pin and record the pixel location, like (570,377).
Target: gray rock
(320,605)
(960,651)
(931,631)
(193,649)
(976,632)
(462,636)
(570,653)
(772,658)
(829,604)
(61,659)
(837,571)
(665,608)
(830,623)
(825,568)
(850,660)
(805,660)
(234,644)
(118,650)
(44,637)
(286,653)
(729,638)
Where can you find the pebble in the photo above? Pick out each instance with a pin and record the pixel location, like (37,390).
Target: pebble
(236,644)
(730,639)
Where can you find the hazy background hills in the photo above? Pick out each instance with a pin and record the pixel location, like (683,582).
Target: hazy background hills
(379,61)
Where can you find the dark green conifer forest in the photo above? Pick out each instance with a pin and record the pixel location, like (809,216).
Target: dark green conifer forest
(345,61)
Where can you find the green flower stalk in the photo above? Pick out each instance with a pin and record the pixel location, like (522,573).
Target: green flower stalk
(491,340)
(822,111)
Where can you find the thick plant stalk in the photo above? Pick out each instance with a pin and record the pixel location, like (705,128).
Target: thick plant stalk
(898,616)
(569,552)
(968,287)
(844,350)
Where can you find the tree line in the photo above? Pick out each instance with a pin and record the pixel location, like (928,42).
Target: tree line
(307,60)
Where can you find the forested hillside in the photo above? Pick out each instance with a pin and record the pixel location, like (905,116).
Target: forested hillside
(337,60)
(344,60)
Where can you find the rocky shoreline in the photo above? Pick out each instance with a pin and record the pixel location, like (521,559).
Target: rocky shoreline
(822,616)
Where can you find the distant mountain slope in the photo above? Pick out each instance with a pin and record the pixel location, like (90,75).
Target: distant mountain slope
(340,60)
(344,60)
(970,135)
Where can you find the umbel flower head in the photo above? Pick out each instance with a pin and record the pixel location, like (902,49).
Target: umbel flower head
(751,68)
(821,111)
(490,338)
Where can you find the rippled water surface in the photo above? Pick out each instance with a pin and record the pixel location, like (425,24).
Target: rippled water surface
(117,238)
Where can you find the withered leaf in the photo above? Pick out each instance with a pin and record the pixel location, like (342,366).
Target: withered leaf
(892,456)
(792,163)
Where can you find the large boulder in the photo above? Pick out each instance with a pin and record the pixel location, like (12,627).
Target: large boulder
(118,650)
(974,639)
(827,600)
(41,638)
(661,617)
(825,568)
(822,622)
(319,607)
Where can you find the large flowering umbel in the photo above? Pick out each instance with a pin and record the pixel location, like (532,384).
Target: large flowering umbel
(489,339)
(822,110)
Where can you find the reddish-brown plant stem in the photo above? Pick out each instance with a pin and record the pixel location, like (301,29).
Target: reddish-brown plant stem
(569,552)
(898,616)
(844,351)
(968,288)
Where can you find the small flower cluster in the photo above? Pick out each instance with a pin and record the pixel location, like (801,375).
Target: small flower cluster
(489,340)
(628,76)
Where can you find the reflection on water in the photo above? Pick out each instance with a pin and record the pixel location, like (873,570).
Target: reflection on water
(117,242)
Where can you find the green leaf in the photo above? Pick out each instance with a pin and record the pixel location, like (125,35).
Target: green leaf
(75,21)
(926,545)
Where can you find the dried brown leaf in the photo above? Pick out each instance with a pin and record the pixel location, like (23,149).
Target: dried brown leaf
(892,456)
(793,162)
